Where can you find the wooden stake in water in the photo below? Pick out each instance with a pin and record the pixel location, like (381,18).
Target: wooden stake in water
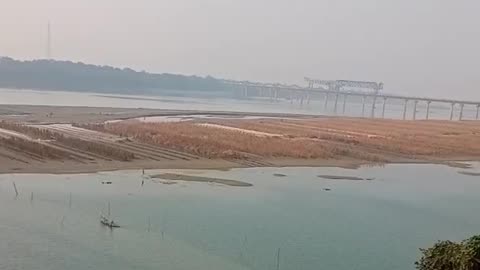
(31,197)
(243,248)
(245,241)
(62,221)
(15,187)
(149,224)
(278,259)
(108,209)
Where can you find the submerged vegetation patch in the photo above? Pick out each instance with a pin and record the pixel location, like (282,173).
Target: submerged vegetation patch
(191,178)
(342,177)
(469,173)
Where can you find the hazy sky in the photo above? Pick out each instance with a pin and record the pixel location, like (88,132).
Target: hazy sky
(417,47)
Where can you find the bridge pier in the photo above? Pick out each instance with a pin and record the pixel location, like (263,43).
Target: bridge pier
(345,102)
(336,103)
(428,110)
(363,105)
(326,102)
(383,107)
(310,84)
(460,117)
(415,103)
(452,111)
(478,110)
(405,109)
(374,104)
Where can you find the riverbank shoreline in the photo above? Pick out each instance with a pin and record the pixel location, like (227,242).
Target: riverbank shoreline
(222,165)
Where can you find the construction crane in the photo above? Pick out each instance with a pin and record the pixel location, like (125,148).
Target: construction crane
(339,85)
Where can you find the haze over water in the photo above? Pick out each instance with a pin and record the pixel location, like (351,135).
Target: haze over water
(393,110)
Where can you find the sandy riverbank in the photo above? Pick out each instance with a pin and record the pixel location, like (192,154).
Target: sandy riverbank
(41,139)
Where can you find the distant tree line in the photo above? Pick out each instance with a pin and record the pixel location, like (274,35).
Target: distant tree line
(70,76)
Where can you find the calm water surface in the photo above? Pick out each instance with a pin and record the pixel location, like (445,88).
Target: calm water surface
(316,107)
(370,225)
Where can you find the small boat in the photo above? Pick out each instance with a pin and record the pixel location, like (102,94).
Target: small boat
(107,221)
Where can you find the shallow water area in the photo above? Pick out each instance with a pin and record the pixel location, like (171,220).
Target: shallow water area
(54,221)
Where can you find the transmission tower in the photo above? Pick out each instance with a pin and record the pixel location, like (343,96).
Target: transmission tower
(49,42)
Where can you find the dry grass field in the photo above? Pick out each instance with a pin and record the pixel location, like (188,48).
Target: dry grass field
(225,143)
(411,139)
(320,138)
(62,147)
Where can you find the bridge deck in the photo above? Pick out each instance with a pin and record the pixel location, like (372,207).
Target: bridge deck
(352,93)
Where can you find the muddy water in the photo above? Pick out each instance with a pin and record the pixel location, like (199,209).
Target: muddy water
(371,225)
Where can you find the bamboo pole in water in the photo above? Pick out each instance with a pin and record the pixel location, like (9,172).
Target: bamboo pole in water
(243,248)
(278,259)
(62,221)
(15,187)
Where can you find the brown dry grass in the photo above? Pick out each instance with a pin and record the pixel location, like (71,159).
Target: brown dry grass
(59,139)
(217,143)
(33,149)
(326,138)
(35,133)
(415,139)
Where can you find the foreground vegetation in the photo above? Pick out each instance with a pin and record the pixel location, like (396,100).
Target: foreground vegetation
(448,255)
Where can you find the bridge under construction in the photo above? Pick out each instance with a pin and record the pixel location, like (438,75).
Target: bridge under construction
(339,91)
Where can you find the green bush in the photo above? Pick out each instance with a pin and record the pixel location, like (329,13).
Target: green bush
(448,255)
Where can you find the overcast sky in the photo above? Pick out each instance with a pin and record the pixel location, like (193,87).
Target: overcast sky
(417,47)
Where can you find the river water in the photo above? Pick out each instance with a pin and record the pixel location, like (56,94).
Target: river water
(394,109)
(291,222)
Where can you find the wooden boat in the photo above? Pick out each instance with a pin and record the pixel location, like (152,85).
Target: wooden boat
(107,221)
